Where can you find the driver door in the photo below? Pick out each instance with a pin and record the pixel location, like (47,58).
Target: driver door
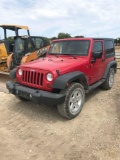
(97,67)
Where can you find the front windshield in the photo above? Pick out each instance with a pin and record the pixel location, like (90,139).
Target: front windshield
(74,47)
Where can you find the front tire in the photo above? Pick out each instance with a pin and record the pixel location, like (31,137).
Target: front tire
(75,97)
(109,80)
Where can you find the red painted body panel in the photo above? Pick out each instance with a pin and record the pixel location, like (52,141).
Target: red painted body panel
(64,64)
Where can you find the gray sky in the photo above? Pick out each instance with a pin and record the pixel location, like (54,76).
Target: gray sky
(90,18)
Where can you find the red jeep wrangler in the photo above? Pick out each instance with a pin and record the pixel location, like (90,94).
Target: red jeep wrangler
(71,68)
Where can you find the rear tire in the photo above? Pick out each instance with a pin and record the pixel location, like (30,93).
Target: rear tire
(109,80)
(74,100)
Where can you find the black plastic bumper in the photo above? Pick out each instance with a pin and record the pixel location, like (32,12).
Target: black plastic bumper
(35,95)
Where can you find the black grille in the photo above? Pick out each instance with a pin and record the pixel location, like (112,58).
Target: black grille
(32,77)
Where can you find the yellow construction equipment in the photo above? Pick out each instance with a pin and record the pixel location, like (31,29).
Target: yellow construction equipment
(19,49)
(26,49)
(7,44)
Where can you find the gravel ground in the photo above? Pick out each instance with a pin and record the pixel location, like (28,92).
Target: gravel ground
(38,132)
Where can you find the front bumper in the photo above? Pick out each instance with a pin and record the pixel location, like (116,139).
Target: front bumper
(35,95)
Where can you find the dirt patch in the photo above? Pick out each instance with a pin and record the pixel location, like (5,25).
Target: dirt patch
(3,79)
(118,63)
(117,49)
(38,132)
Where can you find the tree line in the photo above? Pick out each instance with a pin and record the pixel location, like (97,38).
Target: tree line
(117,41)
(62,35)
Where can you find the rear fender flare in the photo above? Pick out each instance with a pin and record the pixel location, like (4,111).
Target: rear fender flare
(110,65)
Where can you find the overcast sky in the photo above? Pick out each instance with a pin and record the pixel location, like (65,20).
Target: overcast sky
(90,18)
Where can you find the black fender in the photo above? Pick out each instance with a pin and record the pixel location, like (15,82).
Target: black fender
(76,76)
(110,65)
(13,73)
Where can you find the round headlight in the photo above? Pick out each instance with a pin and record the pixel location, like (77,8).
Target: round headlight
(20,72)
(49,77)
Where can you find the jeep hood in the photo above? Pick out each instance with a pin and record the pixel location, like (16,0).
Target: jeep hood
(52,63)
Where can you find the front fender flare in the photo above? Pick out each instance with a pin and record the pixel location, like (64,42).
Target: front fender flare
(61,81)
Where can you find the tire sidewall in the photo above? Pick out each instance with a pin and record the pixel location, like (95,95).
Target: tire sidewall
(70,90)
(109,75)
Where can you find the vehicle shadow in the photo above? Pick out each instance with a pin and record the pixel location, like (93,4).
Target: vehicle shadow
(41,112)
(90,95)
(44,112)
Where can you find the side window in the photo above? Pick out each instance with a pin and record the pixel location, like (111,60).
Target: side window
(38,42)
(30,45)
(19,45)
(97,47)
(109,47)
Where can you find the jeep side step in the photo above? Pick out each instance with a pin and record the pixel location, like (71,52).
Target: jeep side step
(92,87)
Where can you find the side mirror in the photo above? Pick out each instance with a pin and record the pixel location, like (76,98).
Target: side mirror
(97,55)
